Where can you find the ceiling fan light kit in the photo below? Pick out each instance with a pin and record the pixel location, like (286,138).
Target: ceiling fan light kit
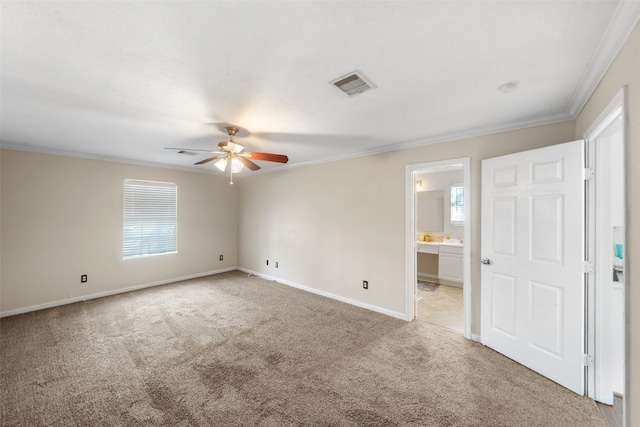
(233,152)
(236,165)
(221,164)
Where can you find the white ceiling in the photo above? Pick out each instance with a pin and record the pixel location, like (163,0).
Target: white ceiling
(124,80)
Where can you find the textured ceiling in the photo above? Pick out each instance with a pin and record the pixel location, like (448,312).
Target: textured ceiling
(124,80)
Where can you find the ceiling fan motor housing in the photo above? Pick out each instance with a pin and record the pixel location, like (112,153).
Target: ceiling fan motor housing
(231,130)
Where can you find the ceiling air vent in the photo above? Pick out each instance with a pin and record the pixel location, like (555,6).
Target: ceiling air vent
(353,83)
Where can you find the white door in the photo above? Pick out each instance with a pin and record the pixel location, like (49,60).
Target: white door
(532,297)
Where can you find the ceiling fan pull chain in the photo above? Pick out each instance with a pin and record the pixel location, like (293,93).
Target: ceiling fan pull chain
(231,175)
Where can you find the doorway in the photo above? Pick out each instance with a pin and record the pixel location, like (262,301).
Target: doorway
(440,200)
(438,244)
(572,331)
(606,241)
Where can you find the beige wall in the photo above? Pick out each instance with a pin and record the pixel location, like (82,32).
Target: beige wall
(625,70)
(332,225)
(329,226)
(62,217)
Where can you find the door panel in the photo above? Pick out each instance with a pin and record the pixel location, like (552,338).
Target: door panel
(547,213)
(532,232)
(504,225)
(503,317)
(546,317)
(547,172)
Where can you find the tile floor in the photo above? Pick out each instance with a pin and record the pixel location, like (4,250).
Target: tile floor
(442,307)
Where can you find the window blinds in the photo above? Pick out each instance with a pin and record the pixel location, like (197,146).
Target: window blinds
(457,204)
(150,218)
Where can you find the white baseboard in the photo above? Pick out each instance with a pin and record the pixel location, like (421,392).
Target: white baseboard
(427,275)
(108,293)
(451,283)
(357,303)
(476,338)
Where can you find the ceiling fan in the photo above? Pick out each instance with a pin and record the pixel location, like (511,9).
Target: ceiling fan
(232,154)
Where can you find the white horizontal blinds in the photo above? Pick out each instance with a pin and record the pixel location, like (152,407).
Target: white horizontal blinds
(457,204)
(150,218)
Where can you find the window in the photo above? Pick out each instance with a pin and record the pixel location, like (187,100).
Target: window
(457,204)
(150,218)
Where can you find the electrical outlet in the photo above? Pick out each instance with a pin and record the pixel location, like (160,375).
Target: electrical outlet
(365,284)
(83,278)
(267,262)
(276,264)
(221,257)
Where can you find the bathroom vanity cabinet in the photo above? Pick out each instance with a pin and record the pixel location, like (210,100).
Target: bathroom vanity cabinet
(450,264)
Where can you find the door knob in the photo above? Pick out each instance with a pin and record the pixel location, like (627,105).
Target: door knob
(485,261)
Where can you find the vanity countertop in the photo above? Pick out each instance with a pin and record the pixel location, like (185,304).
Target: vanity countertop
(454,244)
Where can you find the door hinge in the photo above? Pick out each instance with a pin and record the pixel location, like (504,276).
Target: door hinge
(588,174)
(587,360)
(587,267)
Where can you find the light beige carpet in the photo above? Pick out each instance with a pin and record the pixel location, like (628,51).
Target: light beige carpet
(236,350)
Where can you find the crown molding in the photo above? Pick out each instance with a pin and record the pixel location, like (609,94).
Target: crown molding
(446,137)
(620,27)
(98,157)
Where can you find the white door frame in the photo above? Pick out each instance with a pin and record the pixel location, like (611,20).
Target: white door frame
(598,382)
(411,237)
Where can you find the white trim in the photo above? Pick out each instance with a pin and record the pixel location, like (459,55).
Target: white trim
(437,139)
(402,145)
(109,293)
(411,250)
(599,386)
(451,283)
(476,337)
(428,275)
(620,26)
(411,233)
(607,115)
(350,301)
(101,158)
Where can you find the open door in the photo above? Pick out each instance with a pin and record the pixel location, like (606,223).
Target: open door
(532,260)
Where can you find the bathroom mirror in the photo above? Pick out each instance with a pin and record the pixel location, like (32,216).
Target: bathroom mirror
(429,211)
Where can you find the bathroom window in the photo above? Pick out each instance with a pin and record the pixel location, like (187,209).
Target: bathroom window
(457,204)
(150,221)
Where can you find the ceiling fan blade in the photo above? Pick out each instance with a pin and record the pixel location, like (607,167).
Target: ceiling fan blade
(202,162)
(280,158)
(248,163)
